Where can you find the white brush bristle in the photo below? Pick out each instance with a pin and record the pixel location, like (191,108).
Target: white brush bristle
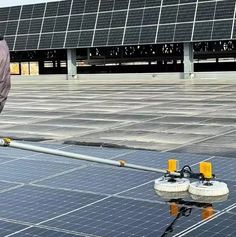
(214,199)
(167,196)
(216,189)
(163,185)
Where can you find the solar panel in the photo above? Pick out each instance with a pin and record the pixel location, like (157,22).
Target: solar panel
(123,22)
(36,204)
(123,217)
(98,179)
(30,174)
(43,195)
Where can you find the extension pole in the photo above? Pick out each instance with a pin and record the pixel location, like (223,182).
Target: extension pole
(6,142)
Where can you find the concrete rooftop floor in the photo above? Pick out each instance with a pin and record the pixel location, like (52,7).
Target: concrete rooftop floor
(166,115)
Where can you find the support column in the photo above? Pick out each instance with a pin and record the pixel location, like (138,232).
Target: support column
(88,54)
(188,61)
(71,64)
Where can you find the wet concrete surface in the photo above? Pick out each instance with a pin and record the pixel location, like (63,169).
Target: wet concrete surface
(183,116)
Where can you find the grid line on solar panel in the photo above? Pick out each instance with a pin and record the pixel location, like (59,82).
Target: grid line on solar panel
(126,21)
(95,26)
(67,25)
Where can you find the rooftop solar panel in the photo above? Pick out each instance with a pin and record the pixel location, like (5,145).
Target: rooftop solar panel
(204,20)
(123,217)
(43,195)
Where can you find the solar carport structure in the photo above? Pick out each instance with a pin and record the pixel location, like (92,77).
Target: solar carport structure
(75,24)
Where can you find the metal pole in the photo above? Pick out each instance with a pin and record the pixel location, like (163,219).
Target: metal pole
(121,163)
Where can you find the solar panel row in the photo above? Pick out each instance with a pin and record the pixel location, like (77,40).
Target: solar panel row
(88,23)
(43,196)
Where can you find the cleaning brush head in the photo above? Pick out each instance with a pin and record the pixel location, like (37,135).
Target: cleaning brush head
(207,199)
(167,184)
(167,196)
(170,183)
(208,189)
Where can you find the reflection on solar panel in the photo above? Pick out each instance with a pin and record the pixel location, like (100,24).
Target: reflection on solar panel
(45,196)
(88,23)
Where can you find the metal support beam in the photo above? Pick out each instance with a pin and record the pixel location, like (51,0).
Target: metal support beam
(71,64)
(188,61)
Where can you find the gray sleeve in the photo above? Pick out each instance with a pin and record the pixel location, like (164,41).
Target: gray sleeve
(5,83)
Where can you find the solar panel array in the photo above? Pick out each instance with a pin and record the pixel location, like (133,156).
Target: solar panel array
(43,195)
(95,23)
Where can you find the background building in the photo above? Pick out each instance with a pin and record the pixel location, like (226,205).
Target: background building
(120,36)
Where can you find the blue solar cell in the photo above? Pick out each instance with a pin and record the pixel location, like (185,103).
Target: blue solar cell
(100,179)
(40,232)
(35,204)
(7,228)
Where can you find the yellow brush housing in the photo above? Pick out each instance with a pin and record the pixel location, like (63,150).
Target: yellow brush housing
(206,169)
(173,165)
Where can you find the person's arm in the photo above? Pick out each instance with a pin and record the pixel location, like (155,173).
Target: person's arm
(5,83)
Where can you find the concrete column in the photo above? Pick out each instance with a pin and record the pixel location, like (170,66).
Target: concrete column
(88,54)
(188,61)
(71,64)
